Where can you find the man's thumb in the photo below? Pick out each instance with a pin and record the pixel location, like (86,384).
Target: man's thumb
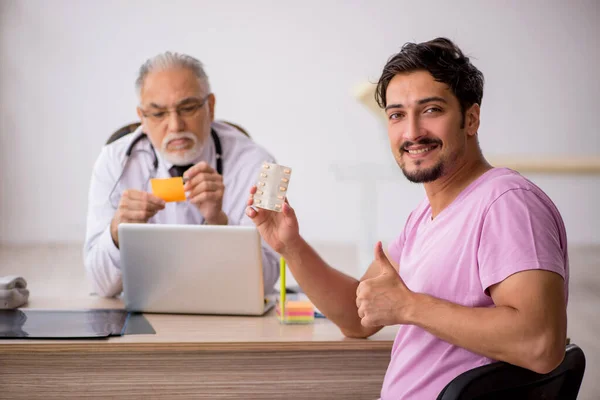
(382,259)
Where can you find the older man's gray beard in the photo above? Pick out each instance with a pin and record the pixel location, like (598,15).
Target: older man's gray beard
(181,157)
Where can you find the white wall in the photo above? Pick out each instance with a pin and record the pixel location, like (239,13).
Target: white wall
(285,70)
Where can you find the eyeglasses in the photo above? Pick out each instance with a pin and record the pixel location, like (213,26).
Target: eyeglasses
(186,110)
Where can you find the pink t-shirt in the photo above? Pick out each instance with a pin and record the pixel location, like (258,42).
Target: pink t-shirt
(499,225)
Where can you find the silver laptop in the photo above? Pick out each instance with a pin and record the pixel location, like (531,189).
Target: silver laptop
(192,269)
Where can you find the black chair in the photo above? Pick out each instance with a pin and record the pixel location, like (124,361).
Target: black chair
(505,381)
(127,129)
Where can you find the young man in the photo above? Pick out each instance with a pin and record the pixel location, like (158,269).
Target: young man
(480,270)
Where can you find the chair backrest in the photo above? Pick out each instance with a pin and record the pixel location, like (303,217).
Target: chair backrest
(127,129)
(505,381)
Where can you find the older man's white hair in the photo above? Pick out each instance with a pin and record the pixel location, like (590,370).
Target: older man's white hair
(168,60)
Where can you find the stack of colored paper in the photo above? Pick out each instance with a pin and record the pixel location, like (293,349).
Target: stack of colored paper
(295,309)
(295,312)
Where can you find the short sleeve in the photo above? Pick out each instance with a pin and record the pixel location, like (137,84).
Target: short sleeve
(520,232)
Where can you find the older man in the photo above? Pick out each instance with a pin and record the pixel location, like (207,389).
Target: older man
(178,137)
(480,270)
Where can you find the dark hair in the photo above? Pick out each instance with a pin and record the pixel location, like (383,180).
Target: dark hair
(444,61)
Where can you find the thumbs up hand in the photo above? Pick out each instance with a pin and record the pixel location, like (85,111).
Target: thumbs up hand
(385,299)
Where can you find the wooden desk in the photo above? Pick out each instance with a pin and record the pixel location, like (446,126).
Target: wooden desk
(201,357)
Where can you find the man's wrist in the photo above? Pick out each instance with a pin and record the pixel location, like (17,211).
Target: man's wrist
(294,249)
(220,219)
(114,232)
(417,304)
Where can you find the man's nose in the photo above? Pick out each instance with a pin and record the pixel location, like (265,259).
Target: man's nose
(413,131)
(176,123)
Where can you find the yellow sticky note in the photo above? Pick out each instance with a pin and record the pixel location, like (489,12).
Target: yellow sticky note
(169,189)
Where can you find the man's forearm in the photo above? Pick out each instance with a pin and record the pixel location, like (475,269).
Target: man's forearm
(101,258)
(500,333)
(330,290)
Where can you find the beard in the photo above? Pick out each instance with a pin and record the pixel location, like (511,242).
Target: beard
(183,156)
(423,175)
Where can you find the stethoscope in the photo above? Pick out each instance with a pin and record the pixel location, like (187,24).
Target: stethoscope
(143,136)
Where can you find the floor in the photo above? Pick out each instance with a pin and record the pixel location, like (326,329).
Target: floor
(583,311)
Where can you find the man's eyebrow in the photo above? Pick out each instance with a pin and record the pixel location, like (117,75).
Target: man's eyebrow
(420,102)
(188,100)
(393,106)
(430,99)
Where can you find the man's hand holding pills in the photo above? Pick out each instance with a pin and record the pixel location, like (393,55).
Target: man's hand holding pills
(269,210)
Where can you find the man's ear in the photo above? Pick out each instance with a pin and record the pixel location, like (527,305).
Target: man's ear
(141,117)
(472,120)
(211,106)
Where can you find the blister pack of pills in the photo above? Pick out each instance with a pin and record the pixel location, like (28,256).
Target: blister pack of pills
(271,187)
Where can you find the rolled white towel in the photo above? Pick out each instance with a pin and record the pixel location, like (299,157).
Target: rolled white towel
(13,292)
